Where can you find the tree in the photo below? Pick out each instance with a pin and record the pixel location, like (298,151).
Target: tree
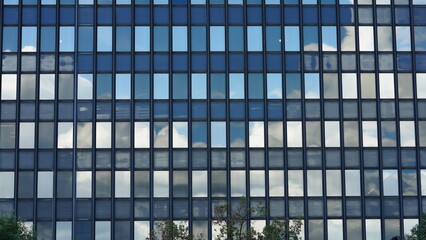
(418,232)
(169,230)
(13,228)
(233,225)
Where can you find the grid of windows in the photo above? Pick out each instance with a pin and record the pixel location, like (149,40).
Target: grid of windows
(118,114)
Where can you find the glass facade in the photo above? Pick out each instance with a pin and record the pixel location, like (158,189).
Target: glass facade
(115,114)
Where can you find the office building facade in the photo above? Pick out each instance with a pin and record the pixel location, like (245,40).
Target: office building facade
(117,114)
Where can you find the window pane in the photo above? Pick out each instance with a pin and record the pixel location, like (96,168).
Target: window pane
(8,87)
(390,182)
(274,81)
(122,86)
(329,38)
(218,134)
(312,86)
(122,184)
(161,86)
(238,186)
(217,38)
(349,86)
(256,134)
(161,184)
(45,185)
(366,38)
(85,86)
(65,135)
(292,42)
(161,135)
(104,39)
(47,86)
(369,133)
(257,183)
(141,134)
(7,184)
(66,39)
(295,183)
(142,38)
(254,38)
(403,38)
(103,135)
(26,135)
(276,183)
(180,134)
(236,86)
(29,39)
(294,134)
(199,87)
(84,184)
(180,39)
(199,183)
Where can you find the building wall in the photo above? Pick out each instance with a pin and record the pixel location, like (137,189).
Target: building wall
(114,116)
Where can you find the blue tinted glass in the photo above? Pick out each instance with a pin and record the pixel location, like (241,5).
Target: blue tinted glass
(328,15)
(421,62)
(123,62)
(236,62)
(198,38)
(179,1)
(123,15)
(180,86)
(161,110)
(85,39)
(48,15)
(141,86)
(254,15)
(161,62)
(85,62)
(292,62)
(217,62)
(105,15)
(67,15)
(199,62)
(217,15)
(180,110)
(291,15)
(256,110)
(404,62)
(310,15)
(47,39)
(142,15)
(122,110)
(161,15)
(273,15)
(10,15)
(180,62)
(402,15)
(275,110)
(180,15)
(217,86)
(85,15)
(255,86)
(237,110)
(273,62)
(142,62)
(198,15)
(103,86)
(255,62)
(142,110)
(199,110)
(218,110)
(235,15)
(161,38)
(29,16)
(419,15)
(104,62)
(236,38)
(347,15)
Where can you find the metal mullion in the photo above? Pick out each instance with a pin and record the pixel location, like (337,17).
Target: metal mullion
(189,118)
(342,130)
(303,120)
(94,109)
(132,121)
(416,112)
(323,148)
(151,121)
(378,120)
(265,111)
(170,117)
(113,118)
(397,125)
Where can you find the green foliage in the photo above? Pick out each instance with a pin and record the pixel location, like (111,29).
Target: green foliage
(233,222)
(418,232)
(169,230)
(13,228)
